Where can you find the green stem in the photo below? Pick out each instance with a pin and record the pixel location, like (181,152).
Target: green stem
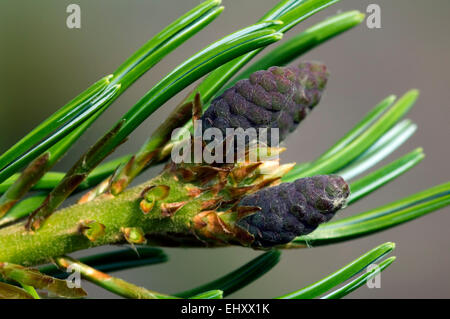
(112,284)
(114,261)
(62,232)
(172,209)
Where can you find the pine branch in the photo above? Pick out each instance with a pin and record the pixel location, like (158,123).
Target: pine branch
(155,148)
(281,55)
(224,50)
(171,209)
(260,205)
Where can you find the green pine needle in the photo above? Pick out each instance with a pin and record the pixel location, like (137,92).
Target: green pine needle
(375,180)
(213,294)
(330,164)
(378,219)
(240,277)
(359,281)
(322,286)
(381,149)
(99,96)
(304,42)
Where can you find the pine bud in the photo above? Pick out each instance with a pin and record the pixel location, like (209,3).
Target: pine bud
(293,209)
(280,97)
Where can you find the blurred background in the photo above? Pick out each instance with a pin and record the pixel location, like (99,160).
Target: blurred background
(43,64)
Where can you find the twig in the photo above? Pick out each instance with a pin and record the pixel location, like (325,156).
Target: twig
(112,284)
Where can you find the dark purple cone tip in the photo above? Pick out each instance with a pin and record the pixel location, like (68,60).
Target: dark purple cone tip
(293,209)
(280,97)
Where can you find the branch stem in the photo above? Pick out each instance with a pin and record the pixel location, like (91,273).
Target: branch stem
(115,285)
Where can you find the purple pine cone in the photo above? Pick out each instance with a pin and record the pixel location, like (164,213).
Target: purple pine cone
(280,97)
(293,209)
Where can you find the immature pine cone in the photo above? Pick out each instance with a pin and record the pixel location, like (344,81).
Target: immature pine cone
(280,97)
(293,209)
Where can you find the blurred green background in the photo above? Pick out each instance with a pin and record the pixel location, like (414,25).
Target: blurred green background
(44,64)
